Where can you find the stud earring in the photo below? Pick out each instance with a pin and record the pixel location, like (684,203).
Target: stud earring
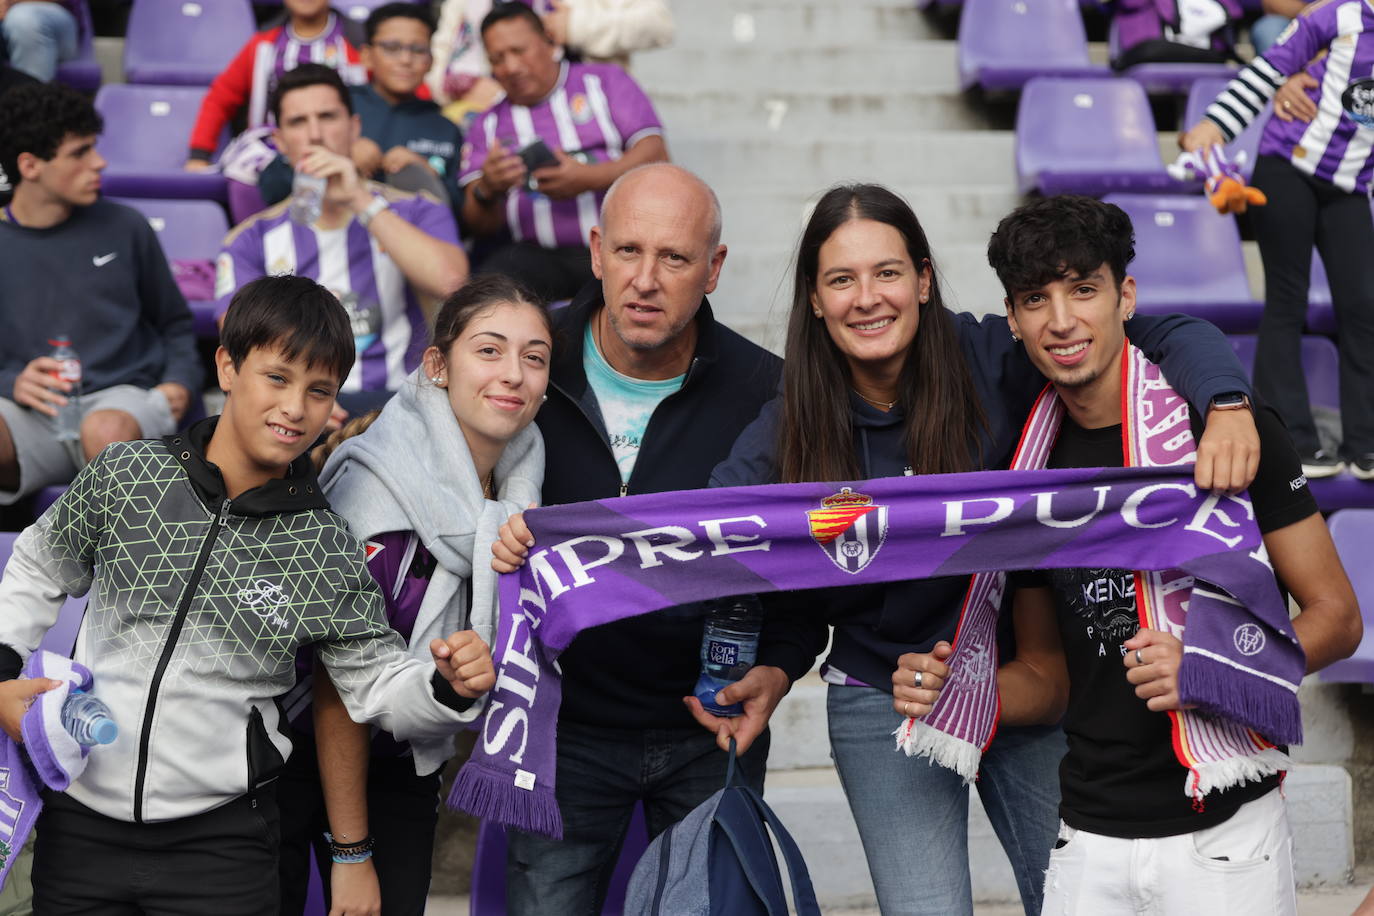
(543,398)
(437,379)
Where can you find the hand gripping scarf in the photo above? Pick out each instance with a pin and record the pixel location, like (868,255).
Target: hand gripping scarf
(601,561)
(1241,666)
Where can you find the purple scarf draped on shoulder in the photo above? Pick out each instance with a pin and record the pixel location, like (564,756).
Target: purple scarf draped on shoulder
(597,562)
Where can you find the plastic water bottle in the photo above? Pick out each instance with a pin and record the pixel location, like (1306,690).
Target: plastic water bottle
(68,370)
(729,646)
(88,720)
(307,198)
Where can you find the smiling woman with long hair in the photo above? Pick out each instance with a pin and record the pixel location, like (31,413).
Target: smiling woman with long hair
(437,472)
(882,380)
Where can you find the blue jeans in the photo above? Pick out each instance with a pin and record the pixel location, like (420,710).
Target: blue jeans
(913,816)
(1266,31)
(38,36)
(602,772)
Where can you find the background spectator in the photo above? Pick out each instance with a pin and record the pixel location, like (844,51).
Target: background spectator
(406,141)
(382,254)
(39,34)
(73,264)
(599,30)
(594,121)
(313,33)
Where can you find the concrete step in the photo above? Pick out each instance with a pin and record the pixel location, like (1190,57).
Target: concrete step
(813,807)
(819,112)
(812,161)
(922,66)
(798,25)
(958,213)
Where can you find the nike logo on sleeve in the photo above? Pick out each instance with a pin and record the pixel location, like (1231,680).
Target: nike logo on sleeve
(103,259)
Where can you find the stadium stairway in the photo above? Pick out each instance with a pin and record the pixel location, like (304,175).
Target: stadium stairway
(772,102)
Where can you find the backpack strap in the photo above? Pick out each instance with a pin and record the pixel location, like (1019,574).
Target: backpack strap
(730,767)
(803,894)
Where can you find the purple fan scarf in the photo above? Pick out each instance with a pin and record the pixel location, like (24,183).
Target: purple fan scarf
(602,561)
(53,757)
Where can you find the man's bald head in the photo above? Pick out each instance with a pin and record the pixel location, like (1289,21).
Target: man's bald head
(657,253)
(671,186)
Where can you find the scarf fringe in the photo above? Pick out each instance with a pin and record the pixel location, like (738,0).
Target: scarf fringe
(488,793)
(1234,771)
(919,739)
(1261,705)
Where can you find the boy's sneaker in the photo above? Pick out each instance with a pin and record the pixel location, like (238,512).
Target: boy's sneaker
(1323,464)
(1363,467)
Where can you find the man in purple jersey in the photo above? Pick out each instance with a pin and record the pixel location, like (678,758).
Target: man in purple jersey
(1317,176)
(579,127)
(388,255)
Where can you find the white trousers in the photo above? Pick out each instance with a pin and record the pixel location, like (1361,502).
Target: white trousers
(1241,867)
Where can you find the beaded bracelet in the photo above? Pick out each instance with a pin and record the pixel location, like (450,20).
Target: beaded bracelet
(350,853)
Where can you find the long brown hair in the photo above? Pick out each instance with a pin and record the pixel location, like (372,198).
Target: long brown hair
(935,389)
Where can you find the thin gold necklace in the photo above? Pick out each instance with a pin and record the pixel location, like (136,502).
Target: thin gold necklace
(878,404)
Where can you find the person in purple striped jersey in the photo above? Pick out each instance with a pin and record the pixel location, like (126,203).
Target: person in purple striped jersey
(1316,174)
(387,254)
(593,119)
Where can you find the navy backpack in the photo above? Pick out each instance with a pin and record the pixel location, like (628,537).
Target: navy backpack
(718,861)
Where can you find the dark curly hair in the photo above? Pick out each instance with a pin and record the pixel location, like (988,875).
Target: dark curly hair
(1062,236)
(37,118)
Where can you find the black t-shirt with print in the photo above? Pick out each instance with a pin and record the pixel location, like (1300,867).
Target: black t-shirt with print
(1120,776)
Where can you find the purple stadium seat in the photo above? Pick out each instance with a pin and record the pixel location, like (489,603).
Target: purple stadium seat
(1004,43)
(83,71)
(1319,361)
(1188,259)
(61,638)
(1353,532)
(189,230)
(488,895)
(146,132)
(1168,79)
(1201,95)
(184,42)
(1087,136)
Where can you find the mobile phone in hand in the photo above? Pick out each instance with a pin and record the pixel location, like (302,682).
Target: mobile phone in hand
(536,155)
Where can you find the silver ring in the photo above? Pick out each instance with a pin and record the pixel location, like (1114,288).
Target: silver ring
(916,681)
(904,708)
(1138,659)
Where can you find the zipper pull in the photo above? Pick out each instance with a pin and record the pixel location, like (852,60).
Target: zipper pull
(224,511)
(624,489)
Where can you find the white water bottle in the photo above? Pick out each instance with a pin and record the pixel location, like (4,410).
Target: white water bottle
(68,370)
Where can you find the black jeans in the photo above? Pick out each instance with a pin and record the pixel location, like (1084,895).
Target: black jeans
(601,773)
(223,861)
(1302,211)
(549,273)
(402,811)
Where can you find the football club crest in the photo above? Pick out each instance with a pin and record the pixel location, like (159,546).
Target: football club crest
(849,528)
(581,109)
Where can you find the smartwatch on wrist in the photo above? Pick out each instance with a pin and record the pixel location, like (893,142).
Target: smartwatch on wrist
(1231,400)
